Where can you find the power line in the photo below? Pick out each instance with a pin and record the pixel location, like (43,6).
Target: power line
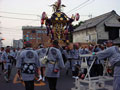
(78,6)
(12,34)
(85,5)
(9,28)
(19,25)
(8,33)
(19,18)
(19,13)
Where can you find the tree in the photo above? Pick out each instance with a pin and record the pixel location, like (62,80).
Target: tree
(77,25)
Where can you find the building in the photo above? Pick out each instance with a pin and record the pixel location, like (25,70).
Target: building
(35,35)
(18,43)
(99,29)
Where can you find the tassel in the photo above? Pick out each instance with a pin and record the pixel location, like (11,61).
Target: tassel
(77,16)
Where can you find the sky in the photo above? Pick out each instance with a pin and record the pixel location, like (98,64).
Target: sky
(11,28)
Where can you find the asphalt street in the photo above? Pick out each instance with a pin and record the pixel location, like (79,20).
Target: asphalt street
(65,82)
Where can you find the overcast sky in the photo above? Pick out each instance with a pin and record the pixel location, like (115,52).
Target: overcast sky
(11,28)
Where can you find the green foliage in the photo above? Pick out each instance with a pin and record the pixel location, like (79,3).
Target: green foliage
(77,25)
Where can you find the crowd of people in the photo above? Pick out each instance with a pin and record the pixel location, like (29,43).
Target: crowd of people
(28,62)
(7,60)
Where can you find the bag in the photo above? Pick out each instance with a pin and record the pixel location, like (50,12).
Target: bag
(44,60)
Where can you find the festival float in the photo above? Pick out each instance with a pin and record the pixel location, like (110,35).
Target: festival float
(59,25)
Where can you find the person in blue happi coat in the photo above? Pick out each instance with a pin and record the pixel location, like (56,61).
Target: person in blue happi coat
(54,65)
(113,54)
(27,64)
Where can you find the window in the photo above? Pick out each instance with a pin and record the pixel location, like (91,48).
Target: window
(39,31)
(39,38)
(31,38)
(33,31)
(119,19)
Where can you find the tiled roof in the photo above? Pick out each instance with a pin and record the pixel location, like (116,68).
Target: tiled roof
(94,21)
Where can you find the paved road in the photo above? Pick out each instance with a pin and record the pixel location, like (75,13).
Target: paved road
(65,82)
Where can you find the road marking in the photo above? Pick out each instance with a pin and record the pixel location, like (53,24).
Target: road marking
(17,80)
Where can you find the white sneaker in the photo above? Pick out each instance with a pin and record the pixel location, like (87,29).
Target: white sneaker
(43,79)
(6,79)
(73,77)
(40,78)
(76,77)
